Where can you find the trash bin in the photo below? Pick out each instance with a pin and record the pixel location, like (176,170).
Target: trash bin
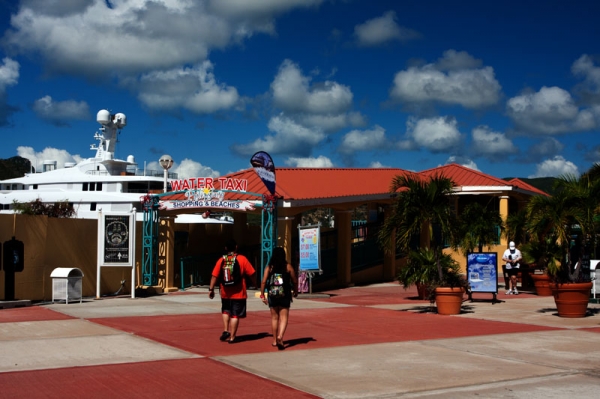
(66,284)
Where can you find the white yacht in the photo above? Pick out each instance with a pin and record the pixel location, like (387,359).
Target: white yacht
(101,182)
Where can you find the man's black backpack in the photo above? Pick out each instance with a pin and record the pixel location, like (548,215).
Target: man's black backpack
(230,271)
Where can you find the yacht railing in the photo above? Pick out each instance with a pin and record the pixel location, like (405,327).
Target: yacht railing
(137,172)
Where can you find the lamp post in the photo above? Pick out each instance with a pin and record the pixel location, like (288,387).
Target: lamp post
(166,162)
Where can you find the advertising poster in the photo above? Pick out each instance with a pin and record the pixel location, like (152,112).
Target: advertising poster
(309,248)
(482,271)
(115,239)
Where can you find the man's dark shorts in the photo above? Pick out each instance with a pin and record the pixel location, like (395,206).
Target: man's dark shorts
(235,308)
(513,271)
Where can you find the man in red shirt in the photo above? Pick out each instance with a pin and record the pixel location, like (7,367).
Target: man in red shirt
(231,272)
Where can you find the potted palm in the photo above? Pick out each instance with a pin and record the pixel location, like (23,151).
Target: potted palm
(569,217)
(421,270)
(421,212)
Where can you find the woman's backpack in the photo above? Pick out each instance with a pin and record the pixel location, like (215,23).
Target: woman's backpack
(276,287)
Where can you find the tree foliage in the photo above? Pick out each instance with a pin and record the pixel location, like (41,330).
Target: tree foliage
(60,209)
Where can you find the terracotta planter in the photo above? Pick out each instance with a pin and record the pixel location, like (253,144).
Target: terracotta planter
(571,298)
(422,291)
(541,283)
(449,300)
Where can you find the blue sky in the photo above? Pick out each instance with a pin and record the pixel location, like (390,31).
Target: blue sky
(509,88)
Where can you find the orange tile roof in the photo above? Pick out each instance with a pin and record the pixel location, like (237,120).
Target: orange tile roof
(525,186)
(463,176)
(300,184)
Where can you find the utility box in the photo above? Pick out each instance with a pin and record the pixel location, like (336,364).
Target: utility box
(66,284)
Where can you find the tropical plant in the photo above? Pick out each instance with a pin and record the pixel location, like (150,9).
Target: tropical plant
(420,205)
(477,227)
(516,227)
(60,209)
(574,207)
(422,269)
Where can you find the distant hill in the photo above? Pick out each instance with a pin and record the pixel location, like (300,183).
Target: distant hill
(543,183)
(14,167)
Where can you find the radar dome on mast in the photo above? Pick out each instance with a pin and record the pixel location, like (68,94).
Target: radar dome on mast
(103,117)
(120,120)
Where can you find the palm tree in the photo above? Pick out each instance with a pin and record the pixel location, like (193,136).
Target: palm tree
(477,227)
(575,203)
(516,227)
(420,205)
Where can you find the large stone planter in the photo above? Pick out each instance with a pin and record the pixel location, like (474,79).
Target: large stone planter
(541,283)
(449,300)
(571,298)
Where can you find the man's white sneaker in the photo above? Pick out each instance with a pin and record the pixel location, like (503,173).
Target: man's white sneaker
(515,292)
(509,292)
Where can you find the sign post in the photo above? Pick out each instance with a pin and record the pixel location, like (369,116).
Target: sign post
(482,273)
(116,244)
(310,251)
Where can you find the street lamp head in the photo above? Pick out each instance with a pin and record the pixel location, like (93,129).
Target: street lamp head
(166,162)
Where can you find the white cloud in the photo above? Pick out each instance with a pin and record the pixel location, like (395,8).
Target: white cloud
(292,92)
(555,167)
(462,84)
(380,30)
(187,168)
(9,73)
(547,147)
(195,89)
(290,138)
(330,123)
(585,67)
(551,110)
(377,165)
(437,134)
(488,142)
(310,162)
(363,140)
(60,112)
(463,161)
(48,154)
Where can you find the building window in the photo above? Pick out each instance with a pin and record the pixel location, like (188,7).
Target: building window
(98,186)
(93,206)
(85,187)
(35,186)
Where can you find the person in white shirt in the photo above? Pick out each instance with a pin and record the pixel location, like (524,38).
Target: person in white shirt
(512,256)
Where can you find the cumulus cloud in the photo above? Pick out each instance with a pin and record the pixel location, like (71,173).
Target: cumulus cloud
(59,113)
(9,76)
(555,167)
(290,138)
(363,140)
(47,154)
(377,165)
(193,88)
(489,143)
(187,168)
(123,40)
(293,92)
(463,161)
(589,89)
(381,30)
(551,111)
(438,134)
(309,162)
(545,148)
(456,79)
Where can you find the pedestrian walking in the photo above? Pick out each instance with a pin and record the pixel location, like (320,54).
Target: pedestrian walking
(280,285)
(231,272)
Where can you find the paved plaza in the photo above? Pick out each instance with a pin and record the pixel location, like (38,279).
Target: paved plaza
(377,341)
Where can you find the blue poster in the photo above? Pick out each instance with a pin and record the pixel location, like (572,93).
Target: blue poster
(309,248)
(482,271)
